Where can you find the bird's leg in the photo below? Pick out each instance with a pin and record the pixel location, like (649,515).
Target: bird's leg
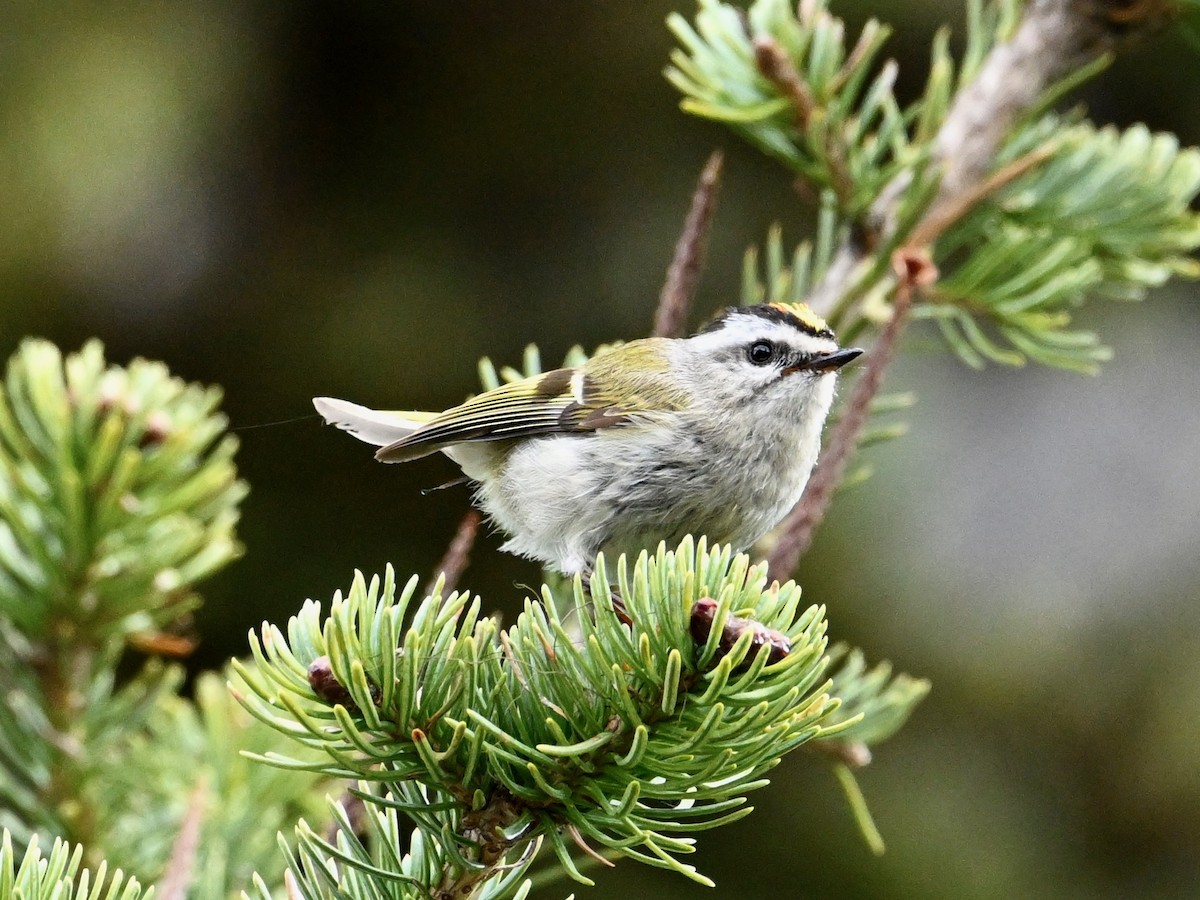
(614,597)
(618,605)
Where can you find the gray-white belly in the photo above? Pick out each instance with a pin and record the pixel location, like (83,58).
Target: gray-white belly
(563,498)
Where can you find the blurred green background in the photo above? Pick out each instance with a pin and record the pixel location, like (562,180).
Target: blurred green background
(361,199)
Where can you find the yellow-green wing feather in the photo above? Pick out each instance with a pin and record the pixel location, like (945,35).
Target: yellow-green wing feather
(613,389)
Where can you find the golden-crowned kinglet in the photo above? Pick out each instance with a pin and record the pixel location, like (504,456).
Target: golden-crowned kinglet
(713,435)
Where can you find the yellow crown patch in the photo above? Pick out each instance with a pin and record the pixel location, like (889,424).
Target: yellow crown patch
(803,313)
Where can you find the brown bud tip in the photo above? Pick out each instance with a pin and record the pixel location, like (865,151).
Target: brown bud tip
(325,685)
(914,267)
(704,613)
(1125,15)
(160,643)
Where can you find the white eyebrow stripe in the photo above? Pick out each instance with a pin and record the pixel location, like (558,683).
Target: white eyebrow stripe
(743,329)
(577,386)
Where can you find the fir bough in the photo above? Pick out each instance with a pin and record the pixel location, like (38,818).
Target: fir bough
(118,494)
(1066,211)
(624,731)
(1108,214)
(791,85)
(60,875)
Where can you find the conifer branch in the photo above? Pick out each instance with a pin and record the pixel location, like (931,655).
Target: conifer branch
(458,553)
(798,528)
(117,495)
(965,175)
(683,275)
(59,874)
(1054,39)
(641,731)
(776,66)
(942,216)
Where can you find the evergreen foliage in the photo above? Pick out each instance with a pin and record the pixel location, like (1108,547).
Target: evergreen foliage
(60,875)
(118,494)
(833,119)
(618,718)
(1105,214)
(619,731)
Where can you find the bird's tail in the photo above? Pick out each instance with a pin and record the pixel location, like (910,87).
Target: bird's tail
(373,426)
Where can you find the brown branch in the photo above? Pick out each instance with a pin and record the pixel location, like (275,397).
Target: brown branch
(1053,39)
(670,318)
(915,271)
(64,666)
(485,828)
(935,222)
(458,554)
(776,66)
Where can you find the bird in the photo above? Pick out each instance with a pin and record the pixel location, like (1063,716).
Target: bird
(652,440)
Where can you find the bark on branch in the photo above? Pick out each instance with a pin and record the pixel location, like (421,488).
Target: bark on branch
(1053,39)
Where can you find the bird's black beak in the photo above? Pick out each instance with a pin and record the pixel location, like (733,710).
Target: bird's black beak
(831,362)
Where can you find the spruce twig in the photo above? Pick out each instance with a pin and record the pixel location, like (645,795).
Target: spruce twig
(940,217)
(775,65)
(1053,39)
(458,553)
(915,271)
(670,319)
(118,494)
(632,738)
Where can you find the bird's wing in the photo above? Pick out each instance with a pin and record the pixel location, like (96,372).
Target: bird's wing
(561,401)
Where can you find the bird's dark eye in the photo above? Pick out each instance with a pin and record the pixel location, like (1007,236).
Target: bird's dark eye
(761,352)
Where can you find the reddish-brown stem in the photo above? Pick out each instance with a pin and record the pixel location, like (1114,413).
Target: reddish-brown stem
(938,219)
(799,527)
(458,554)
(670,319)
(776,66)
